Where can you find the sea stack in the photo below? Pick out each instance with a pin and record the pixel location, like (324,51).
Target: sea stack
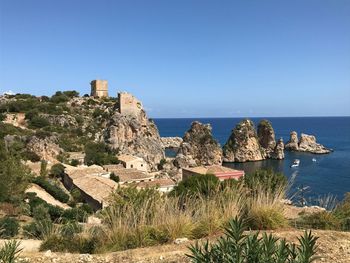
(198,147)
(243,144)
(266,136)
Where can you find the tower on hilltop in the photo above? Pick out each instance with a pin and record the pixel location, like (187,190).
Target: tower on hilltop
(99,88)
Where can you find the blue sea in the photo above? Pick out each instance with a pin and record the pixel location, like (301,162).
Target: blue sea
(329,175)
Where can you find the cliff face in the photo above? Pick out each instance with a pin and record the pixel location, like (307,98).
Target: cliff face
(135,135)
(198,147)
(46,148)
(307,143)
(278,152)
(243,144)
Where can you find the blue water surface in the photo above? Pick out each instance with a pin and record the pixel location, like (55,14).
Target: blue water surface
(330,174)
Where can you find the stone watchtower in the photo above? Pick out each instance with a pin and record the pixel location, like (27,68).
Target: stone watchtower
(99,88)
(128,104)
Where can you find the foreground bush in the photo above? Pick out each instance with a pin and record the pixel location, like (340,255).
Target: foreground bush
(235,247)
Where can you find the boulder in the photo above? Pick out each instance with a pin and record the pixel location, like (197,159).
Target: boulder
(243,144)
(171,142)
(198,147)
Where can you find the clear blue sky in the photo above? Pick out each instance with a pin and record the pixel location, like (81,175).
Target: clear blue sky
(185,58)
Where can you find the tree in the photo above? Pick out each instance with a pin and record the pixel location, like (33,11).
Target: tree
(14,177)
(99,153)
(43,168)
(57,170)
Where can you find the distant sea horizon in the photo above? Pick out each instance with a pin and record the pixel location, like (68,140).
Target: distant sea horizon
(329,175)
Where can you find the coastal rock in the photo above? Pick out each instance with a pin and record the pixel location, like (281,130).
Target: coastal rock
(278,152)
(266,136)
(306,143)
(243,144)
(198,147)
(293,143)
(135,134)
(171,142)
(46,148)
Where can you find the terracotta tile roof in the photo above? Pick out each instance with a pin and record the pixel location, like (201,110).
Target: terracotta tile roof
(80,171)
(129,175)
(128,158)
(217,170)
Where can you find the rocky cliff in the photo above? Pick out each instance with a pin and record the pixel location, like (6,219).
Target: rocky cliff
(171,142)
(306,143)
(135,135)
(46,148)
(198,147)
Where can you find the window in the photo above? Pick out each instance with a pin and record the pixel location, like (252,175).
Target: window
(141,164)
(131,166)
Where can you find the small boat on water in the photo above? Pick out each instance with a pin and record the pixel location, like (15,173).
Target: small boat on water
(295,163)
(314,159)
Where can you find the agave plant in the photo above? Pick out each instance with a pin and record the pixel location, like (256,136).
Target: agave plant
(236,247)
(10,251)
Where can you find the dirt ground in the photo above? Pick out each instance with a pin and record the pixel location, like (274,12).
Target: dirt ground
(333,247)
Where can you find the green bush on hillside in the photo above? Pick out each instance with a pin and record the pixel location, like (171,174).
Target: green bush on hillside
(52,189)
(8,227)
(100,154)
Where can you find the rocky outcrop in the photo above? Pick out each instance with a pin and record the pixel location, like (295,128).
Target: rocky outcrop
(171,142)
(293,143)
(266,136)
(306,143)
(278,151)
(198,147)
(65,121)
(135,135)
(46,148)
(243,144)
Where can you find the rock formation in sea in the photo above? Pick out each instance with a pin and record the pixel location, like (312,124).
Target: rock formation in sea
(198,147)
(266,136)
(306,143)
(243,144)
(131,132)
(278,151)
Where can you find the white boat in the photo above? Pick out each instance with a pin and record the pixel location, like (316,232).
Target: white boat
(295,163)
(314,159)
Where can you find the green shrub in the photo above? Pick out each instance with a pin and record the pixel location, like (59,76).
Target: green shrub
(114,177)
(204,185)
(71,93)
(57,170)
(55,212)
(321,220)
(99,153)
(59,97)
(74,162)
(41,212)
(52,189)
(239,248)
(8,227)
(265,180)
(31,156)
(75,214)
(76,244)
(38,229)
(38,122)
(10,251)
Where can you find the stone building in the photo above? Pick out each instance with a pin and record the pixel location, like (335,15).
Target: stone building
(128,104)
(130,161)
(99,88)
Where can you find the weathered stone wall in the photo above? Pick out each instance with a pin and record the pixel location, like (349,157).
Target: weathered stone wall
(99,88)
(128,104)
